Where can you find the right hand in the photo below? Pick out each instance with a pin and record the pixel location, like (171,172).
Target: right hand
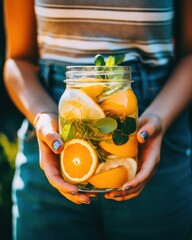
(50,146)
(149,157)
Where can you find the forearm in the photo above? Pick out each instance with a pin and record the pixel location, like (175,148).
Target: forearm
(23,86)
(175,95)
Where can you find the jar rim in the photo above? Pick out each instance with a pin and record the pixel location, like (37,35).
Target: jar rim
(101,73)
(70,69)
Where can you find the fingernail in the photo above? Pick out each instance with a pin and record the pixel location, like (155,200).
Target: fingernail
(144,135)
(85,202)
(127,188)
(117,195)
(74,193)
(93,196)
(56,145)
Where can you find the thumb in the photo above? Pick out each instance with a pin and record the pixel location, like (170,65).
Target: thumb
(46,128)
(149,126)
(52,139)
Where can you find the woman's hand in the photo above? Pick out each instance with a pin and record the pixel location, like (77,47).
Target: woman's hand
(150,137)
(50,146)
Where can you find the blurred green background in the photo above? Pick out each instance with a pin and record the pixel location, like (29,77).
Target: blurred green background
(10,120)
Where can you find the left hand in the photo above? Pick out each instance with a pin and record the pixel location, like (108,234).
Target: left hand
(50,146)
(149,136)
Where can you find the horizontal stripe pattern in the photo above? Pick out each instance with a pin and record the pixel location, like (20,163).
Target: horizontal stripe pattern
(97,46)
(121,32)
(155,4)
(74,32)
(114,15)
(74,58)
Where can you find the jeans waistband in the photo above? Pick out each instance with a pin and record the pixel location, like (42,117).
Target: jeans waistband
(147,80)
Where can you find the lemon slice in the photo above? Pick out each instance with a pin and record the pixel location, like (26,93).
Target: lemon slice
(76,104)
(78,161)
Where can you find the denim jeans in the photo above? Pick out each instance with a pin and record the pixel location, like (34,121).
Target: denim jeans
(163,209)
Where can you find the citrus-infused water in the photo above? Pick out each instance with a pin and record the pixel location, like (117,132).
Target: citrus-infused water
(98,124)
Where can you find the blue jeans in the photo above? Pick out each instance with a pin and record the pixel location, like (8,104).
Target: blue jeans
(163,209)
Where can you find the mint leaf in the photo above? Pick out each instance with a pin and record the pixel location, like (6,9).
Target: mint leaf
(119,59)
(108,66)
(110,61)
(106,125)
(125,127)
(119,138)
(99,60)
(68,132)
(129,125)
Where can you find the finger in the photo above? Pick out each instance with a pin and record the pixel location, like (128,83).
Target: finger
(77,198)
(124,195)
(146,171)
(124,192)
(91,195)
(46,128)
(150,125)
(120,199)
(52,139)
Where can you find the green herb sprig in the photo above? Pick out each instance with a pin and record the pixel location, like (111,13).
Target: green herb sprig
(108,67)
(92,131)
(110,62)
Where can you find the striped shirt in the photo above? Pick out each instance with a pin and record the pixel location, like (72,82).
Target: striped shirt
(74,31)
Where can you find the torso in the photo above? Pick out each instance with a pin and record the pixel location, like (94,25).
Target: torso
(75,31)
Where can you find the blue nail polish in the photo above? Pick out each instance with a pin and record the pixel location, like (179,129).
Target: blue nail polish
(117,195)
(56,145)
(127,188)
(144,135)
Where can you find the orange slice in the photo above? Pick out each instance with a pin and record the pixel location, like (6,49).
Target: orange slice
(113,178)
(129,149)
(94,90)
(122,103)
(78,161)
(76,104)
(113,162)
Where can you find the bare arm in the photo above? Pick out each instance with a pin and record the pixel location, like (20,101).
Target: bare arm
(21,80)
(175,96)
(177,93)
(20,72)
(171,101)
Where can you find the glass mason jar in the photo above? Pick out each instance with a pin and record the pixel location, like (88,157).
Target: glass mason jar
(98,114)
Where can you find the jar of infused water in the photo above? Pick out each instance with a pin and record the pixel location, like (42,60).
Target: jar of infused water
(98,124)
